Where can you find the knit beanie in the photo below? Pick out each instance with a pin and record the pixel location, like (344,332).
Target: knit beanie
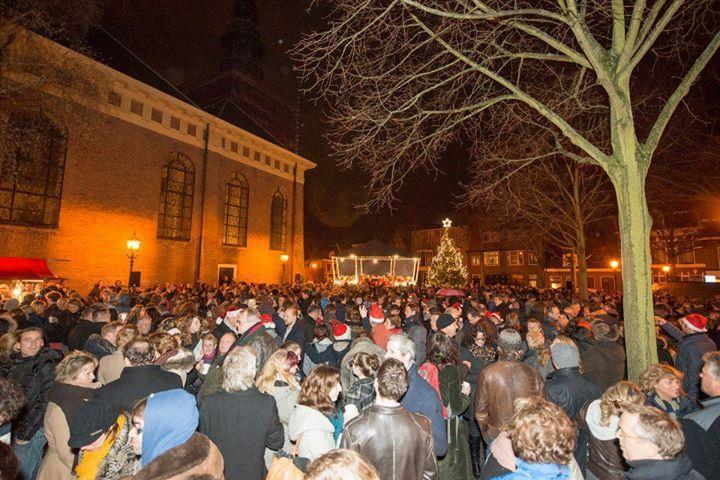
(565,356)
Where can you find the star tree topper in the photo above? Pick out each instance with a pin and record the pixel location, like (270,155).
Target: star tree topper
(446,223)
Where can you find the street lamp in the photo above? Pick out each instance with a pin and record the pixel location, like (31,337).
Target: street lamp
(284,259)
(666,268)
(133,245)
(614,264)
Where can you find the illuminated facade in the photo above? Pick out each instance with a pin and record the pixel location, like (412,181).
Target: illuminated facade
(205,198)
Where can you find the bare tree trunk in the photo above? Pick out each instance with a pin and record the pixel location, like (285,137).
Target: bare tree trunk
(582,264)
(635,226)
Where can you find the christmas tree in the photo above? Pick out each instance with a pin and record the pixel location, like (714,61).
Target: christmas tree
(447,268)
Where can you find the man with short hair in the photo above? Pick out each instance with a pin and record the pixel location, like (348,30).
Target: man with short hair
(702,427)
(501,383)
(103,344)
(652,444)
(139,378)
(92,320)
(693,343)
(398,443)
(33,368)
(565,386)
(294,329)
(420,396)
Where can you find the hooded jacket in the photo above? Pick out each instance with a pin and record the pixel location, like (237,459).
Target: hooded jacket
(171,417)
(313,430)
(605,459)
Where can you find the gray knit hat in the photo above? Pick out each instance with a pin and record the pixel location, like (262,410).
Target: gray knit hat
(509,340)
(565,355)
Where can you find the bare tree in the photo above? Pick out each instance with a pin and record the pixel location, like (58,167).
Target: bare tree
(559,198)
(404,78)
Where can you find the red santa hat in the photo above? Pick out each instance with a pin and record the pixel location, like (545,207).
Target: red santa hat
(457,305)
(376,314)
(267,321)
(695,322)
(341,331)
(228,312)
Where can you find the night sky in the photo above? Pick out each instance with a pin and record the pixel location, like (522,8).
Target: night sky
(180,40)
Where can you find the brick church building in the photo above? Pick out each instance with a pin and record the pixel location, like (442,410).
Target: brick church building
(117,159)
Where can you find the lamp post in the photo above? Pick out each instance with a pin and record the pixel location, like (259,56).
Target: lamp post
(614,264)
(284,259)
(133,245)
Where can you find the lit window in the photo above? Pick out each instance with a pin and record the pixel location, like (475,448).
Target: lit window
(475,259)
(492,259)
(176,198)
(515,258)
(236,211)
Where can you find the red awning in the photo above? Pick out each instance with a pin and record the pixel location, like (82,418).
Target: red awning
(18,268)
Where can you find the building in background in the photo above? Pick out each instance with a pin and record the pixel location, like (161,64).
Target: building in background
(206,199)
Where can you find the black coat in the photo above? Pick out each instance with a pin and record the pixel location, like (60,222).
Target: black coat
(604,363)
(570,390)
(136,383)
(296,334)
(242,424)
(35,375)
(81,332)
(690,350)
(680,468)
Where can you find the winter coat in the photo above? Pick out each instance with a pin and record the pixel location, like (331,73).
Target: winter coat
(380,334)
(418,334)
(569,390)
(690,350)
(81,332)
(242,425)
(35,375)
(110,367)
(324,351)
(285,398)
(604,458)
(532,359)
(702,438)
(604,363)
(422,398)
(498,386)
(398,443)
(197,458)
(313,430)
(361,344)
(456,463)
(680,468)
(136,383)
(99,346)
(678,408)
(63,402)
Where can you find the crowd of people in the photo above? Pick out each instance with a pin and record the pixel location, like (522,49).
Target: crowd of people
(248,382)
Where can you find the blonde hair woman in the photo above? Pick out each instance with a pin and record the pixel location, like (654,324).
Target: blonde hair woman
(278,379)
(74,385)
(662,385)
(601,418)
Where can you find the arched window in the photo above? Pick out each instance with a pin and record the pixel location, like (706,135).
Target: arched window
(236,211)
(278,223)
(176,197)
(32,167)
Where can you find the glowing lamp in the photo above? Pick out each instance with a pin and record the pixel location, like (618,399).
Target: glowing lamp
(614,264)
(313,265)
(666,268)
(284,257)
(133,244)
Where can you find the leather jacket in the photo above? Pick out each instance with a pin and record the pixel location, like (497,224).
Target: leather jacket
(398,443)
(498,386)
(570,390)
(604,457)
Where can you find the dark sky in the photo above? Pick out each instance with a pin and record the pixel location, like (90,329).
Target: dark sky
(180,40)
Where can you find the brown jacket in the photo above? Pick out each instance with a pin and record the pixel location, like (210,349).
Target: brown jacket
(196,458)
(110,367)
(398,443)
(498,386)
(58,461)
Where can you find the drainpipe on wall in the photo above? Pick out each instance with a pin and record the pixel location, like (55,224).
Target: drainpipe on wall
(203,182)
(293,211)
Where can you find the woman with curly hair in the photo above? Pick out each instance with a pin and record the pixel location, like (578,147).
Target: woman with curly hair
(455,396)
(662,385)
(599,420)
(74,385)
(191,331)
(541,441)
(316,422)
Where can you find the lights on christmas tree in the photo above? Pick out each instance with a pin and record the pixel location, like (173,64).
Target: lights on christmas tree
(448,267)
